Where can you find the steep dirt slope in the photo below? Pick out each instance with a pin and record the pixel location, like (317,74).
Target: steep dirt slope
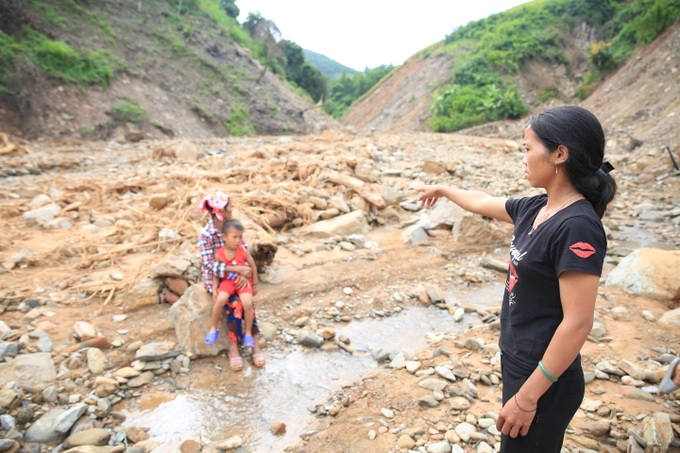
(189,75)
(402,101)
(640,100)
(643,97)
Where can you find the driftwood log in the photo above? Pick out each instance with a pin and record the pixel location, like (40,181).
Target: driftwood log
(369,192)
(9,147)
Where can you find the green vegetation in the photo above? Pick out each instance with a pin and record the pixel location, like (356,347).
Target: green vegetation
(56,59)
(347,89)
(330,68)
(493,50)
(302,73)
(37,42)
(127,112)
(239,122)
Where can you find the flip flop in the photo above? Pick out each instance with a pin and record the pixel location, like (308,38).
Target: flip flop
(211,337)
(249,342)
(236,363)
(667,385)
(258,360)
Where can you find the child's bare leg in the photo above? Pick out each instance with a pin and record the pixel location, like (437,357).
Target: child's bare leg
(248,312)
(218,307)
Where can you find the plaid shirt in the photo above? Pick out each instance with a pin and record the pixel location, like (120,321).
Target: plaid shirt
(209,241)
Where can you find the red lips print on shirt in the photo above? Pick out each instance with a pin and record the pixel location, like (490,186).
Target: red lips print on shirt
(582,249)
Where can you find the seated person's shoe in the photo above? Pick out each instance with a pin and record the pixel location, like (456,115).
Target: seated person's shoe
(211,337)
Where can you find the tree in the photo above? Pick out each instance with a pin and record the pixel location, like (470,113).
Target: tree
(230,7)
(267,35)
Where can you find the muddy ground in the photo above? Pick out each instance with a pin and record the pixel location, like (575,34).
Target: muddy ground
(82,273)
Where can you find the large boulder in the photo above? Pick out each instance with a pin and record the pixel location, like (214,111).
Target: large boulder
(649,272)
(29,369)
(191,317)
(343,225)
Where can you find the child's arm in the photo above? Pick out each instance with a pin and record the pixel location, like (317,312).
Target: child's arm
(230,271)
(253,267)
(216,283)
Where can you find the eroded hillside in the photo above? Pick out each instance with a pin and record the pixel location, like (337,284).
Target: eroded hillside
(642,98)
(186,72)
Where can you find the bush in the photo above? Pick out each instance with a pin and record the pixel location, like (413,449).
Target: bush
(239,123)
(461,106)
(600,55)
(65,64)
(128,112)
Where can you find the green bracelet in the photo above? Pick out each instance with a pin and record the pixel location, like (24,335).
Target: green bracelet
(545,372)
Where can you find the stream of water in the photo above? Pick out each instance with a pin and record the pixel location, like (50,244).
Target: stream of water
(248,403)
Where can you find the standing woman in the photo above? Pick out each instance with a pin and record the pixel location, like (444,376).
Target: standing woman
(219,205)
(556,257)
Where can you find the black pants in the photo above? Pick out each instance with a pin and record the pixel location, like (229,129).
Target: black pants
(555,409)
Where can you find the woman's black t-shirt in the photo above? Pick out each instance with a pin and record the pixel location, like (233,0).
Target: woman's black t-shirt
(573,239)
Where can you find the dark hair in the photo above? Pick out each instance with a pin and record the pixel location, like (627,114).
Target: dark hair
(581,132)
(232,223)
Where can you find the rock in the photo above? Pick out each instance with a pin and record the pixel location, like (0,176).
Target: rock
(43,215)
(96,361)
(465,431)
(310,339)
(596,428)
(142,294)
(95,436)
(388,413)
(34,369)
(191,318)
(473,229)
(342,225)
(84,330)
(671,317)
(277,428)
(135,434)
(171,267)
(159,350)
(439,447)
(658,432)
(104,386)
(177,285)
(648,272)
(158,201)
(406,442)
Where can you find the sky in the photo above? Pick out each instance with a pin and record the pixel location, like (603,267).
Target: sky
(364,34)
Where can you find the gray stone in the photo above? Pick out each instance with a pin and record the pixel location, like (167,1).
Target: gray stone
(658,432)
(310,339)
(190,316)
(33,369)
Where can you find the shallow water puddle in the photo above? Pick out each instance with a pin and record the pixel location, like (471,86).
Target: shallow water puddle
(248,403)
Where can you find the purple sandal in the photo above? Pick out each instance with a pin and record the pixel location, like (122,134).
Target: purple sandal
(211,337)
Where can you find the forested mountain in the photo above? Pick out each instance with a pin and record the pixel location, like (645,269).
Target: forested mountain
(330,68)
